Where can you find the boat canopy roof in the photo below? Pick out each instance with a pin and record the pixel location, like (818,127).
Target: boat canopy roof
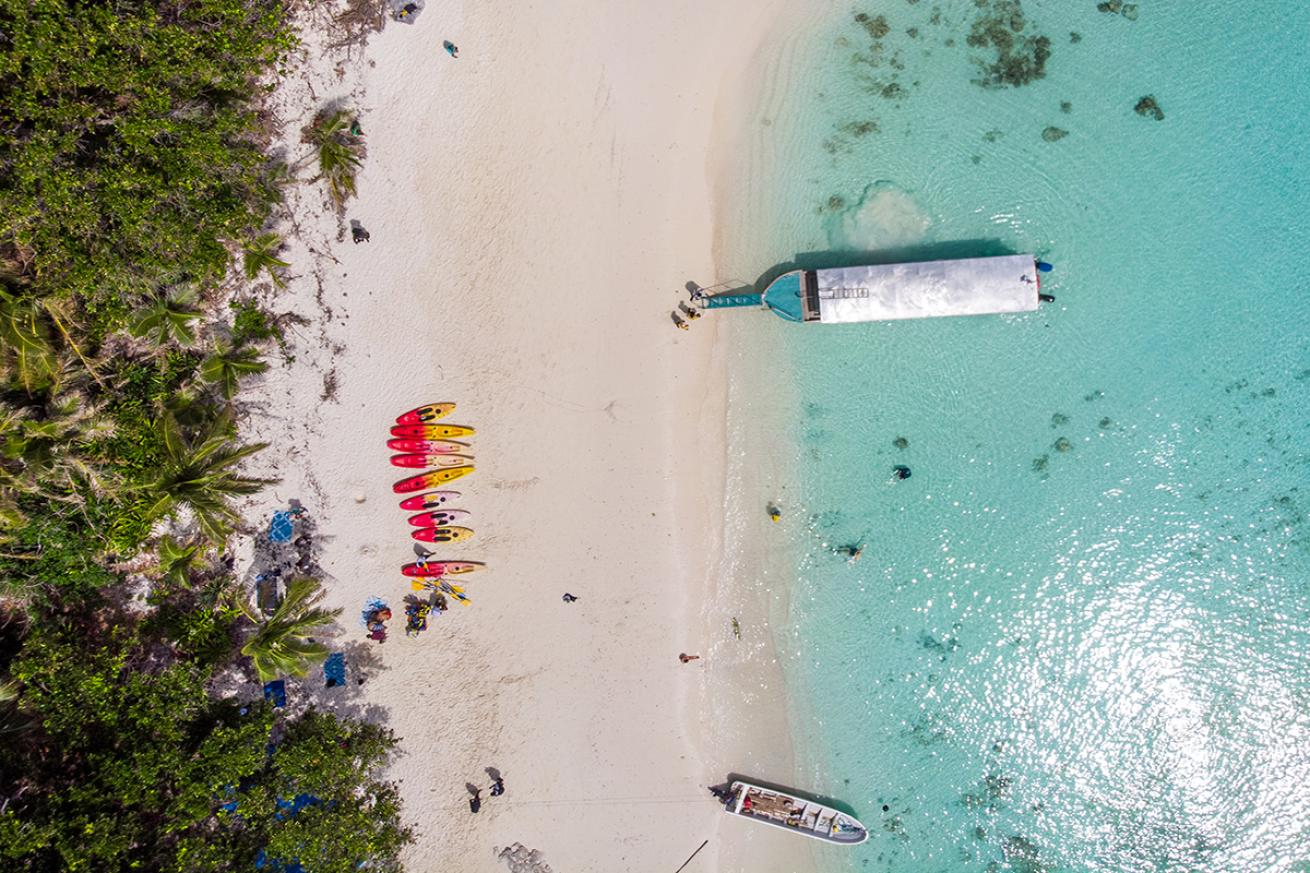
(926,289)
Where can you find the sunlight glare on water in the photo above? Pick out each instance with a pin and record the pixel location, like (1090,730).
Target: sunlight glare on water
(1076,638)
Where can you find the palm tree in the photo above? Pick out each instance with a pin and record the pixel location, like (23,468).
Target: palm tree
(279,646)
(46,449)
(227,364)
(177,558)
(168,319)
(196,473)
(26,353)
(340,152)
(261,254)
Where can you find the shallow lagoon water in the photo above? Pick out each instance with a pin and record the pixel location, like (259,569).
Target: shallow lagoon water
(1077,638)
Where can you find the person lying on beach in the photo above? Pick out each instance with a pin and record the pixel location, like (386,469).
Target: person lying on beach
(569,598)
(686,659)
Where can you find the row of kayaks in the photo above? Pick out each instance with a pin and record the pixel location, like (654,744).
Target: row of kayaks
(423,443)
(426,445)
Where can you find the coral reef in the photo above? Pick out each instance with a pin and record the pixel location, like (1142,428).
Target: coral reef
(1020,58)
(1148,107)
(876,26)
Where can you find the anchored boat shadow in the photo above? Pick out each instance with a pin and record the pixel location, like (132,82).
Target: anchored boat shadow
(942,251)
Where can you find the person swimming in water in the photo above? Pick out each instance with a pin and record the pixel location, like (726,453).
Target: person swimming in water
(901,471)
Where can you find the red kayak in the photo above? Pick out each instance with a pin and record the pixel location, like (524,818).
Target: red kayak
(424,414)
(431,431)
(439,518)
(429,500)
(426,447)
(431,479)
(430,460)
(441,568)
(442,534)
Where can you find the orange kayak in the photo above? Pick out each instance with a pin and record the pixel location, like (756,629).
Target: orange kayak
(439,517)
(427,447)
(441,568)
(431,431)
(424,414)
(428,500)
(442,534)
(430,479)
(430,460)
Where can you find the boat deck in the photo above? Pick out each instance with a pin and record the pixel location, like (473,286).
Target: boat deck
(795,813)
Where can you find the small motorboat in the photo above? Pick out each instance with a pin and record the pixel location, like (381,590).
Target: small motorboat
(797,814)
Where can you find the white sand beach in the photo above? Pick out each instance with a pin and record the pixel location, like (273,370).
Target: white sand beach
(536,207)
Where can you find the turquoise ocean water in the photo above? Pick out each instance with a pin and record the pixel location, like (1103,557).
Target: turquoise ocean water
(1078,638)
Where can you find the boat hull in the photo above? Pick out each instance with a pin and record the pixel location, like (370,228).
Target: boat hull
(792,812)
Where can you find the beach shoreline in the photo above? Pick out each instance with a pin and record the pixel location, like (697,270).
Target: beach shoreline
(535,206)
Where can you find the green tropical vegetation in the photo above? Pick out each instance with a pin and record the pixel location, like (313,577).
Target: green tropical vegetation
(340,151)
(138,189)
(281,645)
(260,254)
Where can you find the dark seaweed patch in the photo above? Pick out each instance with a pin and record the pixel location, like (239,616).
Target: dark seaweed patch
(1148,107)
(1020,57)
(859,128)
(877,27)
(1054,134)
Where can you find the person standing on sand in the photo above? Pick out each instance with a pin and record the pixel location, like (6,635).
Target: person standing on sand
(569,598)
(451,48)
